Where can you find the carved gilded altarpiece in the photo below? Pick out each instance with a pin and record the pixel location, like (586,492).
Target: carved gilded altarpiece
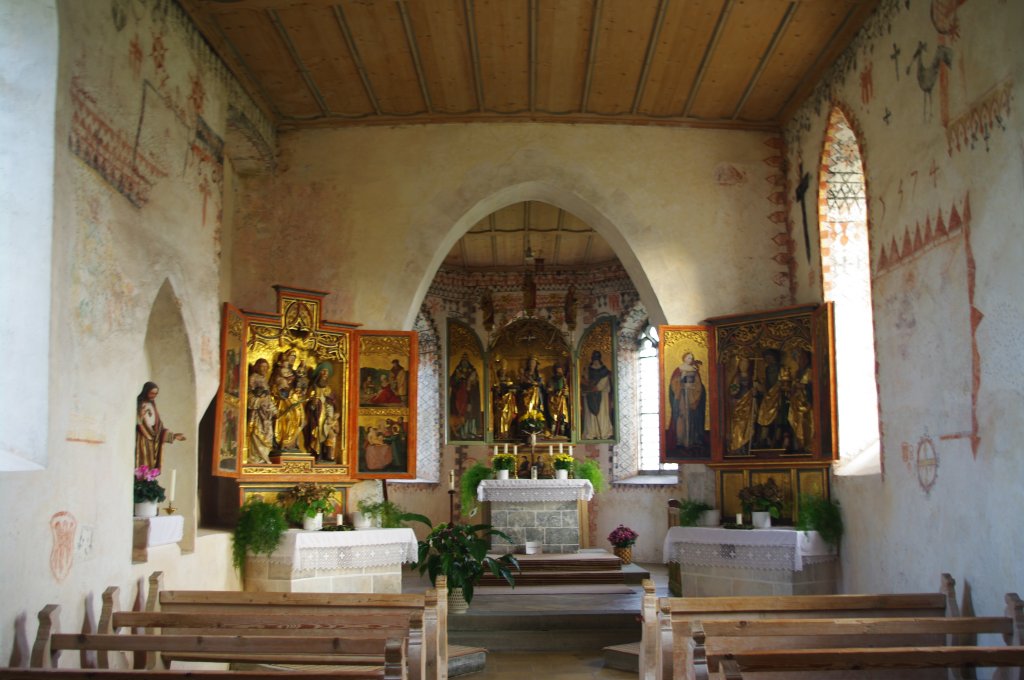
(288,405)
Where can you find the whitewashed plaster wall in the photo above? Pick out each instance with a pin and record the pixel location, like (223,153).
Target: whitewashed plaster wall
(135,296)
(370,213)
(942,143)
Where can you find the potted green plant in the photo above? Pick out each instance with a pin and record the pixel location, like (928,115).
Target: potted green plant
(690,512)
(590,470)
(503,464)
(460,553)
(820,514)
(762,501)
(147,492)
(468,483)
(387,514)
(563,464)
(305,504)
(258,531)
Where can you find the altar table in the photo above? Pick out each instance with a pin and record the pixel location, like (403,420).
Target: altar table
(364,561)
(777,561)
(550,512)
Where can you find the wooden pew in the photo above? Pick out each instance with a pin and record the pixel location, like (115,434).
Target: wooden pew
(178,674)
(428,655)
(665,648)
(869,663)
(729,639)
(389,653)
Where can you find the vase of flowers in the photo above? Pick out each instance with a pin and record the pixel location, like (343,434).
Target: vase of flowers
(563,463)
(622,539)
(762,501)
(503,464)
(305,504)
(148,491)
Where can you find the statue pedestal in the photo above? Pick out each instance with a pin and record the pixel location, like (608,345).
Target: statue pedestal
(549,512)
(292,457)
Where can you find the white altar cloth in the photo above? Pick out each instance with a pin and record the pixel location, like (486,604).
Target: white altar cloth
(163,529)
(319,550)
(776,548)
(534,490)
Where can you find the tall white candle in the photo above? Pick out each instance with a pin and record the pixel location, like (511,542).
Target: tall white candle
(495,449)
(559,447)
(506,448)
(174,482)
(570,449)
(551,449)
(451,480)
(516,449)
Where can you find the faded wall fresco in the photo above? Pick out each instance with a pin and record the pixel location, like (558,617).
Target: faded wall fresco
(932,89)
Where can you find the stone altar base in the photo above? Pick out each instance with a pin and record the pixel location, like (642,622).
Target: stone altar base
(553,524)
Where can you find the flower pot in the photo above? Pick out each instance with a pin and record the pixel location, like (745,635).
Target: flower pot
(711,518)
(561,474)
(360,521)
(761,519)
(502,474)
(457,600)
(145,509)
(313,523)
(624,554)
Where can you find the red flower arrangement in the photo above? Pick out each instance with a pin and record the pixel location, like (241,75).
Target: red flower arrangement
(622,537)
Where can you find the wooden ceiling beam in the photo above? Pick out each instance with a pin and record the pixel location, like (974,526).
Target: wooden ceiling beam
(307,78)
(591,54)
(414,51)
(706,59)
(339,15)
(533,54)
(769,52)
(474,52)
(652,45)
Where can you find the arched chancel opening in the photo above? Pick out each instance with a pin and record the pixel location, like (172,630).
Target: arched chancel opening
(846,282)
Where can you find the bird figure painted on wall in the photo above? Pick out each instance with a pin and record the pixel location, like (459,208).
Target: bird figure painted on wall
(928,75)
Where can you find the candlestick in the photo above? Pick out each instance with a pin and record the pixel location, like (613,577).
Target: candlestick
(174,482)
(451,479)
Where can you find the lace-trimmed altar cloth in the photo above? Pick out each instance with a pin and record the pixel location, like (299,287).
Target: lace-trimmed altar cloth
(776,548)
(534,490)
(321,550)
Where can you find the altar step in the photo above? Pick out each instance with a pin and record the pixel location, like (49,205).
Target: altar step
(623,657)
(555,622)
(587,567)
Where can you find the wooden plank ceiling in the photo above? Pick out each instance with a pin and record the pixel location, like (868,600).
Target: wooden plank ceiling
(710,63)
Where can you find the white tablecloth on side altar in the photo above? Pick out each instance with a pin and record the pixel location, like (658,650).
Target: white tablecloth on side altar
(331,549)
(163,529)
(534,490)
(776,548)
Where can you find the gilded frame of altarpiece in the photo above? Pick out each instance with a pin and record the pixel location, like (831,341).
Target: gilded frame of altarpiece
(285,409)
(776,410)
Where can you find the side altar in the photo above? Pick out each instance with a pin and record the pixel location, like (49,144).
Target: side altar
(551,512)
(704,562)
(365,561)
